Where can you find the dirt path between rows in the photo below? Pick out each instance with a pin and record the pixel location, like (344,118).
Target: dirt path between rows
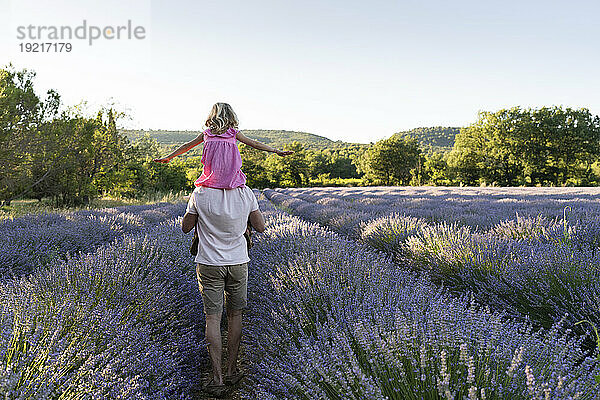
(206,371)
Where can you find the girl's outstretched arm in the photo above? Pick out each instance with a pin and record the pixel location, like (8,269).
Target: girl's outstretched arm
(182,149)
(261,146)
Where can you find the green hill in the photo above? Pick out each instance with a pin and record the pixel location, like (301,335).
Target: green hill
(437,138)
(275,138)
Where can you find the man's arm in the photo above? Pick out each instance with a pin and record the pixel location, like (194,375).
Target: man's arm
(188,222)
(257,220)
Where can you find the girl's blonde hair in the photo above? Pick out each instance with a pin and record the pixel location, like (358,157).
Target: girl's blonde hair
(221,118)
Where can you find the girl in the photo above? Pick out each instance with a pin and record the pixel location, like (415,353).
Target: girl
(221,157)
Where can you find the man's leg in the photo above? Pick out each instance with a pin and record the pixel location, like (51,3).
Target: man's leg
(236,297)
(213,337)
(211,280)
(234,334)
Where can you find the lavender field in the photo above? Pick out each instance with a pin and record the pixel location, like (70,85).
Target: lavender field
(354,293)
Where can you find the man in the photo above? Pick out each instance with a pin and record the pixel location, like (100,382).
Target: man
(220,217)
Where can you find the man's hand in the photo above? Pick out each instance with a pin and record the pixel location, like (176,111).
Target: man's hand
(164,160)
(257,220)
(283,153)
(188,222)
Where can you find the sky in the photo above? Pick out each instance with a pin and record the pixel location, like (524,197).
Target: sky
(349,70)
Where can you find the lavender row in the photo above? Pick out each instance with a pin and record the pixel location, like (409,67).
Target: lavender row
(124,321)
(330,318)
(35,240)
(534,268)
(479,208)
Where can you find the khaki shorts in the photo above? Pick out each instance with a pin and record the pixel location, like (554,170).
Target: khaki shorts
(216,280)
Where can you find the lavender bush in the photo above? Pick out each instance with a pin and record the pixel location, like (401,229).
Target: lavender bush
(330,319)
(124,321)
(539,268)
(478,208)
(35,240)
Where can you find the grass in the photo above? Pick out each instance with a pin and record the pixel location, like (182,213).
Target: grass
(22,207)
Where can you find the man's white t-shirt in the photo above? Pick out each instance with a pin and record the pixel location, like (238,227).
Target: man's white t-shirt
(222,220)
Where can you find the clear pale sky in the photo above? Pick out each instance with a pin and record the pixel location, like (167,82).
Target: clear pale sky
(349,70)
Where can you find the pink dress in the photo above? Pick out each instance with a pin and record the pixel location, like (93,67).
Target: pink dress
(222,161)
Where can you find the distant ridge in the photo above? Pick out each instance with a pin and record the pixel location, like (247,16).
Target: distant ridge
(437,138)
(276,138)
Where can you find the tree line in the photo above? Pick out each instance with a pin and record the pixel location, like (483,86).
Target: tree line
(68,156)
(72,157)
(548,146)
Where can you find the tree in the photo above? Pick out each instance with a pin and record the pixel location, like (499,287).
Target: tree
(334,163)
(292,170)
(390,161)
(68,179)
(319,162)
(23,146)
(109,151)
(254,167)
(144,148)
(527,147)
(435,169)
